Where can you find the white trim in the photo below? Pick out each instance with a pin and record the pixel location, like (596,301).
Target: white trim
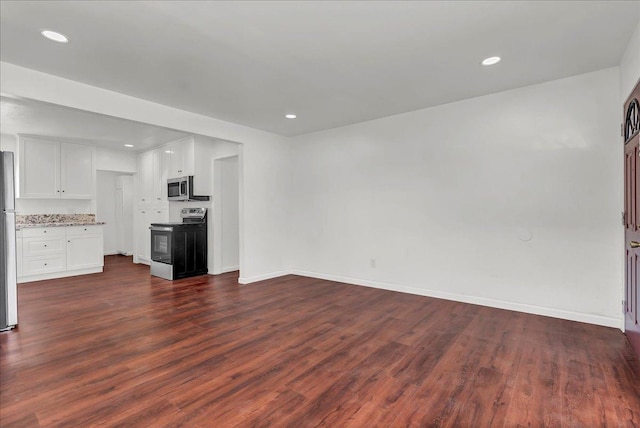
(249,280)
(492,303)
(60,274)
(230,269)
(110,253)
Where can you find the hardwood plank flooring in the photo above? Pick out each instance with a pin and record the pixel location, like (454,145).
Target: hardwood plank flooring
(126,349)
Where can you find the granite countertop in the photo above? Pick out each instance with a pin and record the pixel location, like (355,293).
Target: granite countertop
(56,220)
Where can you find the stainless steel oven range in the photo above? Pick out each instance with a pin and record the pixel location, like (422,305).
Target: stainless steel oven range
(179,250)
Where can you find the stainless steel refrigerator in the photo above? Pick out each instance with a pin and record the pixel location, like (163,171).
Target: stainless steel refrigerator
(8,278)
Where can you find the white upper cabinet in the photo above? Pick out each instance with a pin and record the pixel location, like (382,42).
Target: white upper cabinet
(192,156)
(188,156)
(159,178)
(152,177)
(181,157)
(50,169)
(145,177)
(77,171)
(39,168)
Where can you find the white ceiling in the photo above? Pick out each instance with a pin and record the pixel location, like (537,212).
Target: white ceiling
(331,63)
(24,116)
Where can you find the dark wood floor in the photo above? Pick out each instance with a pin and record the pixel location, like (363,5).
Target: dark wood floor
(124,349)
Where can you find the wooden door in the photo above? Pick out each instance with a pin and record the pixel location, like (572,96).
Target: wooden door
(631,136)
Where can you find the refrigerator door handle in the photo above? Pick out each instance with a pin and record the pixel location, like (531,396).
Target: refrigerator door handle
(8,192)
(12,264)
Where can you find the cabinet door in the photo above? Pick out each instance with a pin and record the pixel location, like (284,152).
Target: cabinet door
(175,152)
(145,177)
(77,178)
(181,154)
(158,215)
(84,251)
(143,236)
(187,158)
(193,249)
(39,168)
(167,166)
(145,217)
(157,180)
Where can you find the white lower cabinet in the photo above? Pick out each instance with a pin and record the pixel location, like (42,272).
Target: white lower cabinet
(143,236)
(84,247)
(146,216)
(44,264)
(55,252)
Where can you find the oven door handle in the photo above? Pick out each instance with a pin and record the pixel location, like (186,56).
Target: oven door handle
(161,229)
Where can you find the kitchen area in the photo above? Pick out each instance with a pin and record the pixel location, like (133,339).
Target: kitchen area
(163,197)
(194,173)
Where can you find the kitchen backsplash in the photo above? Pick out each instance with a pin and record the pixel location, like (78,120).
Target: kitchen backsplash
(55,218)
(55,206)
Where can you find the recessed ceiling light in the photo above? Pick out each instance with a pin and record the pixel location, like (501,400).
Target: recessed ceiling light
(290,116)
(128,145)
(491,60)
(55,36)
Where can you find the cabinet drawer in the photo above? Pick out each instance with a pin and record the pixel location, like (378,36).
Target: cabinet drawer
(84,230)
(35,232)
(42,246)
(43,264)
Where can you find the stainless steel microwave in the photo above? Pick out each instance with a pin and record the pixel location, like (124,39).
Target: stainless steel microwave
(181,189)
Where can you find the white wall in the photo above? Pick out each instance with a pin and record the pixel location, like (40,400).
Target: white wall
(510,200)
(116,160)
(54,206)
(225,206)
(105,208)
(230,225)
(226,209)
(630,65)
(8,143)
(223,149)
(264,172)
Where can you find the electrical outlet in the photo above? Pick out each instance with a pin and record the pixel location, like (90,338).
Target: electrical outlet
(372,263)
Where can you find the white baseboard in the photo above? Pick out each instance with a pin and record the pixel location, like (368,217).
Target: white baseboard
(249,280)
(230,269)
(61,274)
(141,261)
(500,304)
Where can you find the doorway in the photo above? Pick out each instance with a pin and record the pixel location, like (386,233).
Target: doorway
(226,221)
(114,206)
